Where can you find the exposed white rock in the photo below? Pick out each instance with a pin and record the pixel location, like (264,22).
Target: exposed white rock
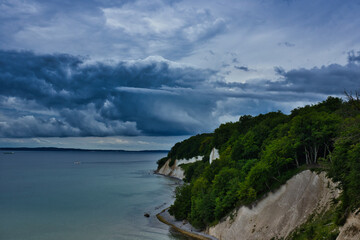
(280,212)
(172,171)
(214,155)
(177,172)
(191,160)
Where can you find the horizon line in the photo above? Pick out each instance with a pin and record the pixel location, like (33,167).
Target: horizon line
(74,149)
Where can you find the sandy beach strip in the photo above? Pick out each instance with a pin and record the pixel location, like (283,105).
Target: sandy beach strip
(184,228)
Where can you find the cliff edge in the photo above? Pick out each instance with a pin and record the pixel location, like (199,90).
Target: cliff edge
(172,171)
(177,172)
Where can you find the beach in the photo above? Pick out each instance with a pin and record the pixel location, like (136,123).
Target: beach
(183,227)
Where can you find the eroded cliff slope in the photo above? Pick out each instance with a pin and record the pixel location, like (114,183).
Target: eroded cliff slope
(280,212)
(172,171)
(177,172)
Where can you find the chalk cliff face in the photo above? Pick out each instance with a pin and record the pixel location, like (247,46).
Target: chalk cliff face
(172,171)
(214,155)
(278,214)
(176,170)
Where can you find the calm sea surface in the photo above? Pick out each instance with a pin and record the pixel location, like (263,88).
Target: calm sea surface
(45,196)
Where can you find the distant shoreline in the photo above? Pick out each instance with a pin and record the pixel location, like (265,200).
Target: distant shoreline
(77,150)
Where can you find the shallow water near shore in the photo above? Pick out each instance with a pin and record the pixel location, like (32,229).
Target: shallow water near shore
(83,195)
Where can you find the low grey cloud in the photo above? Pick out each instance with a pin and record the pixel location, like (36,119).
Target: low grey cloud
(242,68)
(79,98)
(279,70)
(331,79)
(353,56)
(286,44)
(61,95)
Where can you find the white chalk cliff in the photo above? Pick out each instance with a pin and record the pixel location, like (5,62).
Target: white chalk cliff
(278,214)
(177,172)
(172,171)
(214,155)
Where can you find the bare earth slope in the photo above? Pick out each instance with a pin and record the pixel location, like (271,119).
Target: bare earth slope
(280,212)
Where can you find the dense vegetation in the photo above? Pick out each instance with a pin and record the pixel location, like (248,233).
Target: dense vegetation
(319,226)
(258,154)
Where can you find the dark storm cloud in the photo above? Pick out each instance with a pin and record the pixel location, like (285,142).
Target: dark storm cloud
(279,70)
(332,79)
(60,95)
(242,68)
(98,99)
(354,57)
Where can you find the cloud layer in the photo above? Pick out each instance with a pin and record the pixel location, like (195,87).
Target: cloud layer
(61,95)
(149,97)
(131,29)
(100,72)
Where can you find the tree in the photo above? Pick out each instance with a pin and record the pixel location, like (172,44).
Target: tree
(345,166)
(182,205)
(312,132)
(353,100)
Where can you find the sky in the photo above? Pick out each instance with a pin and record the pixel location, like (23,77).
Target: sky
(140,74)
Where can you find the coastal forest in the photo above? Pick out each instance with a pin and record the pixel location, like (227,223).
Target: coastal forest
(260,153)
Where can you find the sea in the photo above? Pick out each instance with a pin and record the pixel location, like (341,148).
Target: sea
(83,195)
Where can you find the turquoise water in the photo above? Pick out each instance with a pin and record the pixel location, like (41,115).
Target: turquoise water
(45,196)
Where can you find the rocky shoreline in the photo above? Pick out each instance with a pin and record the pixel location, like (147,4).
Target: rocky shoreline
(182,226)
